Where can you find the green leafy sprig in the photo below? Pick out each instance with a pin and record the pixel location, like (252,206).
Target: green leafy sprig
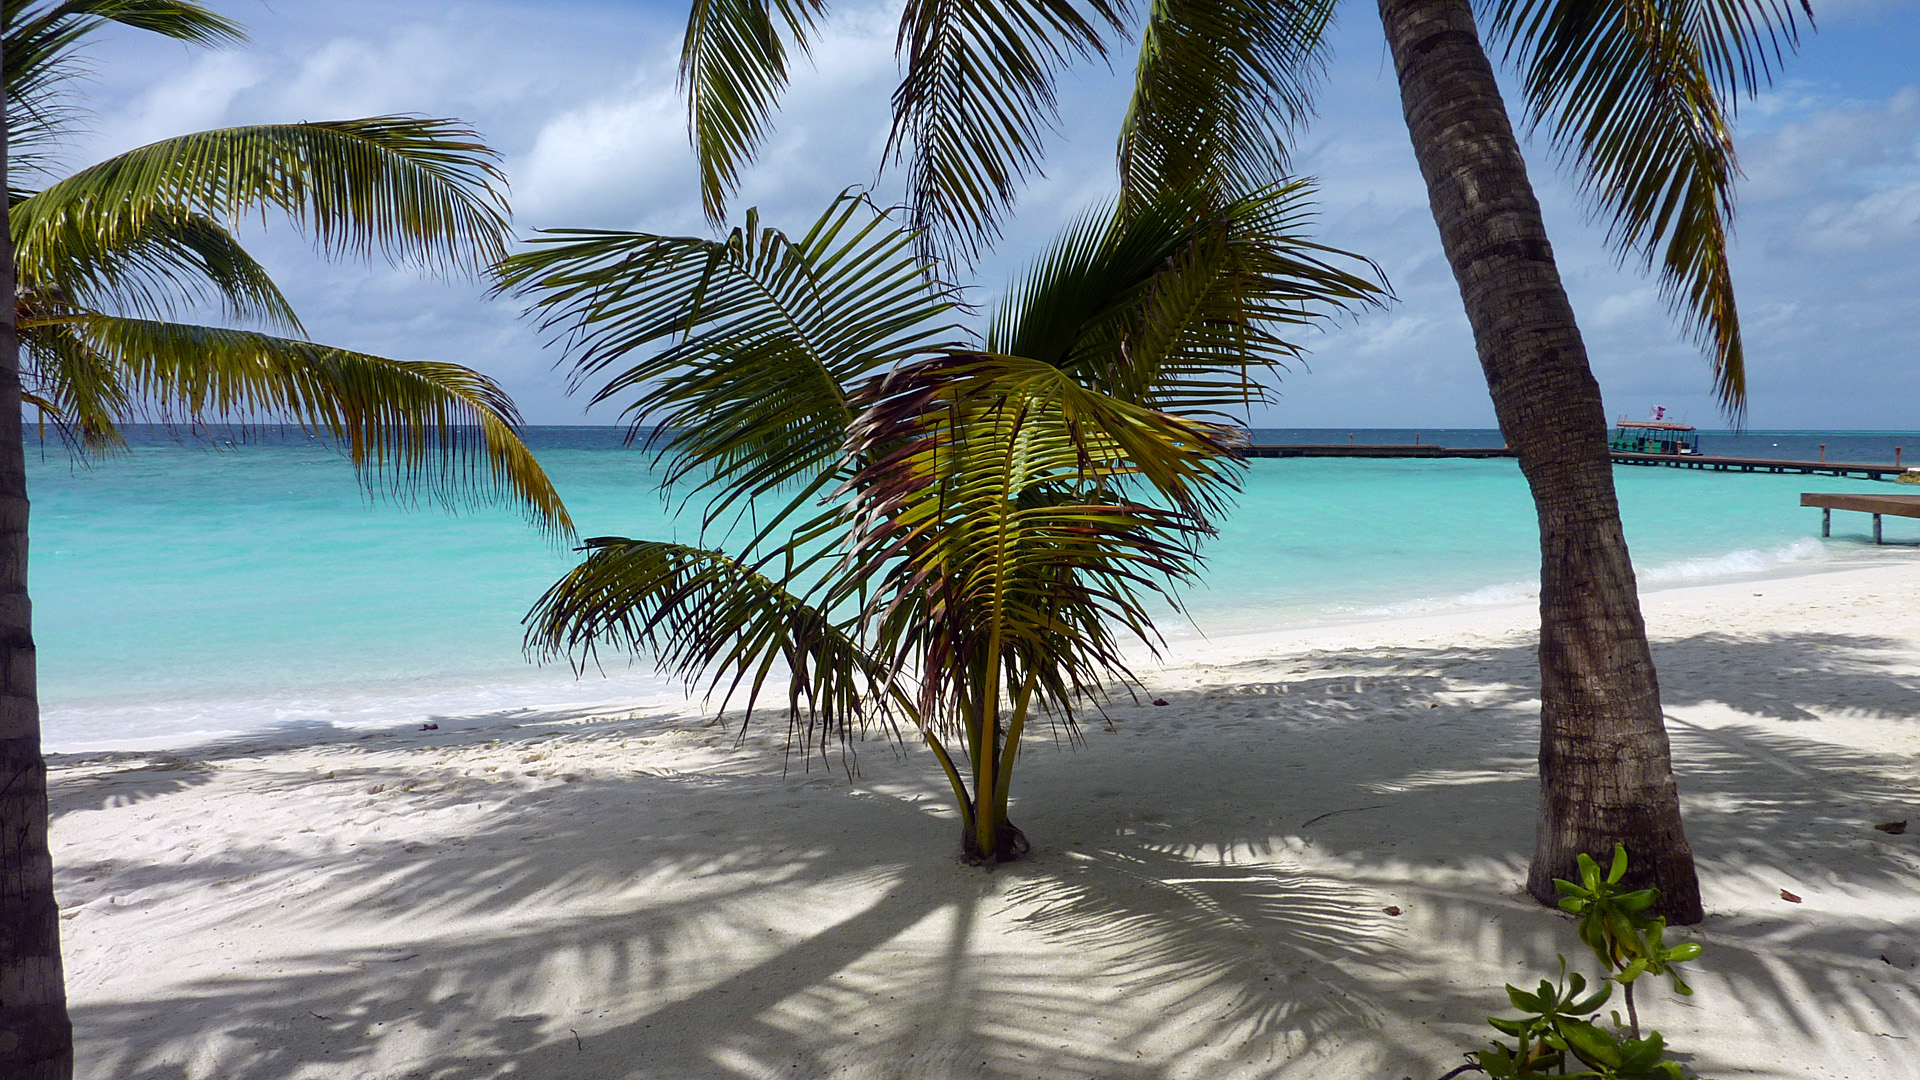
(1555,1033)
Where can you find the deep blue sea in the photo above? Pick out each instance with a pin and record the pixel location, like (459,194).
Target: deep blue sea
(187,588)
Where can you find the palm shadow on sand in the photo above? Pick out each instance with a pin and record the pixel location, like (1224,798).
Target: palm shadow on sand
(1168,916)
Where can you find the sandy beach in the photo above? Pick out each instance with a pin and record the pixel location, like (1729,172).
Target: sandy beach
(640,896)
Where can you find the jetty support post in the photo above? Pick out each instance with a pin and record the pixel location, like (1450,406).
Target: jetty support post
(1823,451)
(1826,521)
(1876,528)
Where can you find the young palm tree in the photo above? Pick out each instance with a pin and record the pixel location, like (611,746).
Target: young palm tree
(105,258)
(953,535)
(1636,96)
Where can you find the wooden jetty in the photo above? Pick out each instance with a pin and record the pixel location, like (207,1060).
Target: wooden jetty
(1877,505)
(1769,465)
(1378,450)
(1620,457)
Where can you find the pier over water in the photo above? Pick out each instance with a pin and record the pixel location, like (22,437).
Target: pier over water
(1709,462)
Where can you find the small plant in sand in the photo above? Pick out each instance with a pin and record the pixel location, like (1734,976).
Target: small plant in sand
(1555,1032)
(948,532)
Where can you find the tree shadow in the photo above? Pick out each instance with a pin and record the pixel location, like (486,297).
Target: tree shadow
(104,780)
(1207,895)
(1797,676)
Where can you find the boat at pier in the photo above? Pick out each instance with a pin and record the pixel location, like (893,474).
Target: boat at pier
(1656,436)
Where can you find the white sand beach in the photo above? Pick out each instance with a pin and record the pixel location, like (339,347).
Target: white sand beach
(567,896)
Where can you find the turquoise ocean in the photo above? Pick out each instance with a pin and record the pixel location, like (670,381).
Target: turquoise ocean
(187,589)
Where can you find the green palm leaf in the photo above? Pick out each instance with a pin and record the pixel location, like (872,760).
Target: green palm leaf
(1182,304)
(413,425)
(168,263)
(733,67)
(1635,93)
(994,514)
(413,190)
(976,102)
(1219,88)
(40,44)
(761,333)
(76,387)
(1001,555)
(706,618)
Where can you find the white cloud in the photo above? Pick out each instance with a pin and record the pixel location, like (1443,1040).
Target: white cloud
(1883,219)
(1827,144)
(580,99)
(592,165)
(197,98)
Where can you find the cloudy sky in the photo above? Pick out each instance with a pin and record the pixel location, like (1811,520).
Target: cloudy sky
(578,96)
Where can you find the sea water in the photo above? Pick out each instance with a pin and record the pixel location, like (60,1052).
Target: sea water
(185,589)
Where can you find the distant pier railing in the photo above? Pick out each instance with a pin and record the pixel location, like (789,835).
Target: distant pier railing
(1676,461)
(1362,450)
(1767,465)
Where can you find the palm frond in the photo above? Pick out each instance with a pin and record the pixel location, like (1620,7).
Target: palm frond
(976,102)
(168,263)
(413,190)
(1638,95)
(733,67)
(707,619)
(410,426)
(994,530)
(1184,303)
(80,390)
(40,56)
(1219,88)
(755,338)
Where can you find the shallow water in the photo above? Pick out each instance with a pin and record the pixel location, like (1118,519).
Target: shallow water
(182,590)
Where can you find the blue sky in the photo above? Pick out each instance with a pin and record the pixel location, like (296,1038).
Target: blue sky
(579,98)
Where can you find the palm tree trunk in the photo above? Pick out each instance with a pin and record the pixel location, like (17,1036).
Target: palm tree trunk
(1606,771)
(36,1038)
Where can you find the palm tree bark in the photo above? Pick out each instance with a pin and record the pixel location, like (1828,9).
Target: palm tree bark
(36,1038)
(1606,771)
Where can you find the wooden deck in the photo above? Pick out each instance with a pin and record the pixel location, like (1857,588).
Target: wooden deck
(1877,505)
(1768,465)
(1378,450)
(1675,461)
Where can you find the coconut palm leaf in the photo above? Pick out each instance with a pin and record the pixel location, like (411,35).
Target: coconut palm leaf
(1219,87)
(977,100)
(1636,94)
(708,619)
(1181,304)
(76,387)
(987,478)
(762,333)
(39,47)
(169,263)
(733,67)
(1004,559)
(414,426)
(414,190)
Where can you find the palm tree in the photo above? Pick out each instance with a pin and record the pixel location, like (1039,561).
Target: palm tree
(106,258)
(949,535)
(1635,95)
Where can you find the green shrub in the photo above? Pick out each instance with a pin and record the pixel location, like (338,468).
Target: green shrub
(1555,1032)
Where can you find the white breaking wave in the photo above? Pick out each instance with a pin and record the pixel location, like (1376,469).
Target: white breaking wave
(1735,564)
(184,720)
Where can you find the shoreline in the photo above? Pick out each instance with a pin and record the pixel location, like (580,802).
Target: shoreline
(541,689)
(639,896)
